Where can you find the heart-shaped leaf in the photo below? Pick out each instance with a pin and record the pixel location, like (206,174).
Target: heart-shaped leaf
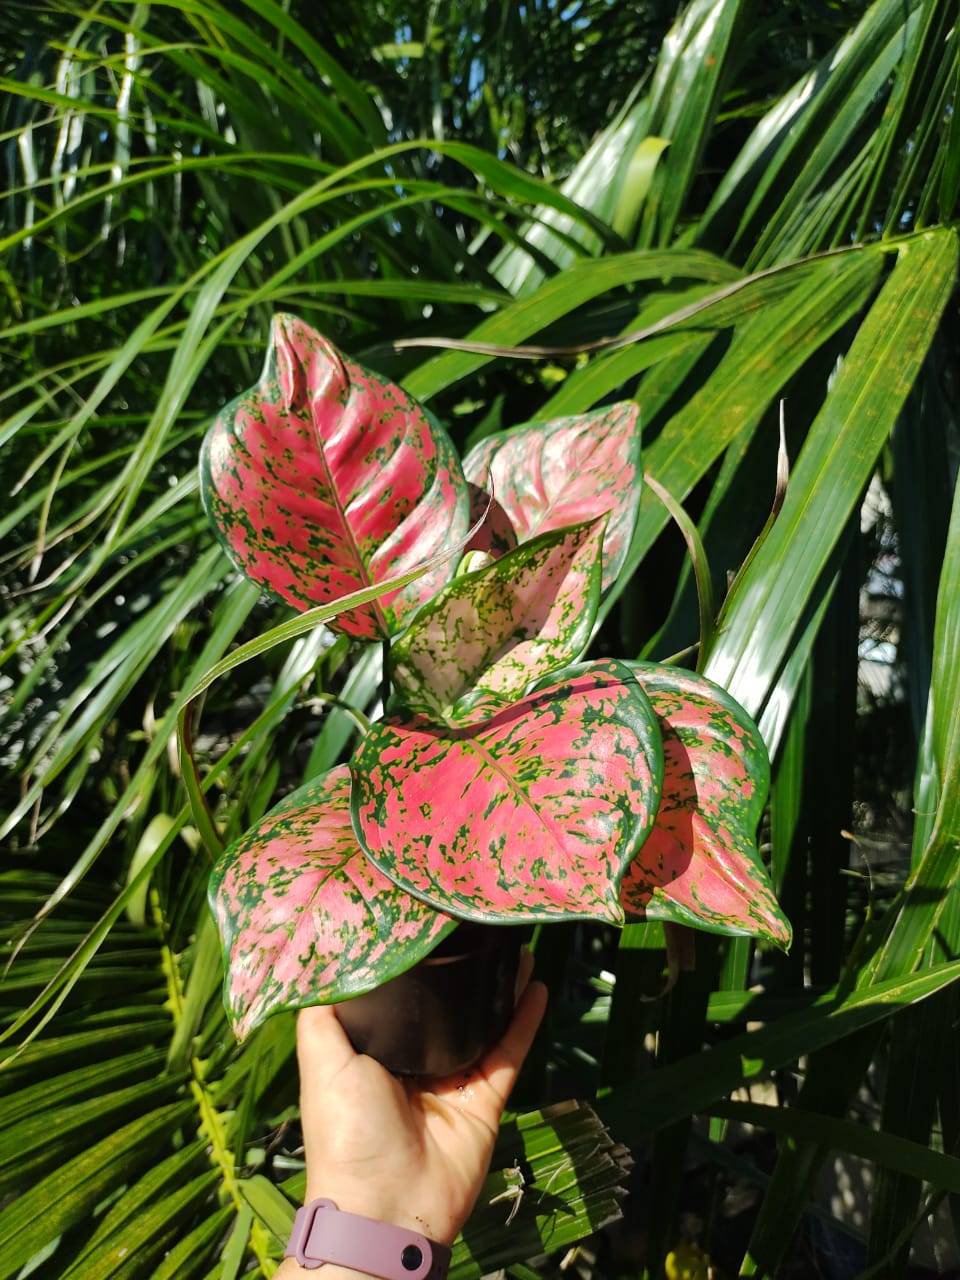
(532,815)
(304,917)
(489,635)
(700,865)
(323,479)
(547,475)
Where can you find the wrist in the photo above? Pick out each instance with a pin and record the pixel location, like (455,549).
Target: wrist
(290,1269)
(325,1234)
(381,1204)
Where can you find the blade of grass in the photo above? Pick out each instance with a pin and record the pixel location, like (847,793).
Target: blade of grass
(833,468)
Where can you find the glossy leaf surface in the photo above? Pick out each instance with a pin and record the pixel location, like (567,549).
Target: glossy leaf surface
(323,479)
(700,865)
(532,815)
(831,472)
(304,917)
(490,634)
(496,534)
(547,475)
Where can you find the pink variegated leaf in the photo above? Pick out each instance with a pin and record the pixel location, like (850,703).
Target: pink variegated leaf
(496,534)
(547,475)
(489,635)
(323,479)
(532,815)
(700,865)
(304,917)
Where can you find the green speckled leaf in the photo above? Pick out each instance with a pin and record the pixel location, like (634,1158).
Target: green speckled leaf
(700,865)
(547,475)
(304,917)
(323,479)
(490,634)
(534,814)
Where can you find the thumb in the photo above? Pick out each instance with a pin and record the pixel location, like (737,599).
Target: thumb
(323,1049)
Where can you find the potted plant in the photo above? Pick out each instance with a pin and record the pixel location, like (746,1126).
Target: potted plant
(507,782)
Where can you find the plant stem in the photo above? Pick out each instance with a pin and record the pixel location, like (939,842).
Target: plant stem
(385,677)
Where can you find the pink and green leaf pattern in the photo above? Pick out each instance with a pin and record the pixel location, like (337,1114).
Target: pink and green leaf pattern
(323,479)
(490,634)
(700,865)
(304,917)
(496,534)
(532,815)
(547,475)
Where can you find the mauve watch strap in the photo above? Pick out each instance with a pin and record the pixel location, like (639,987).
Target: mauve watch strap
(321,1233)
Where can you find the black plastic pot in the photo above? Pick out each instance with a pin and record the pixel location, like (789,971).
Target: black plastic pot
(442,1015)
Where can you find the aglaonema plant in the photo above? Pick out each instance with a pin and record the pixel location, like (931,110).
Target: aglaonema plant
(508,781)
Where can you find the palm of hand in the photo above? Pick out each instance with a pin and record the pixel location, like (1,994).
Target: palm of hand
(410,1153)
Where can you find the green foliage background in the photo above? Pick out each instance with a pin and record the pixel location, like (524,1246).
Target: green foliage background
(769,192)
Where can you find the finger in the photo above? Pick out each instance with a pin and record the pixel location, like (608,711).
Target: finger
(502,1064)
(323,1047)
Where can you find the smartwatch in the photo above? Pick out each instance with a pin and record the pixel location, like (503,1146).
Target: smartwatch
(321,1233)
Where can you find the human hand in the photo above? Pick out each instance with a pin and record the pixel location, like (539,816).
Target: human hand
(411,1153)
